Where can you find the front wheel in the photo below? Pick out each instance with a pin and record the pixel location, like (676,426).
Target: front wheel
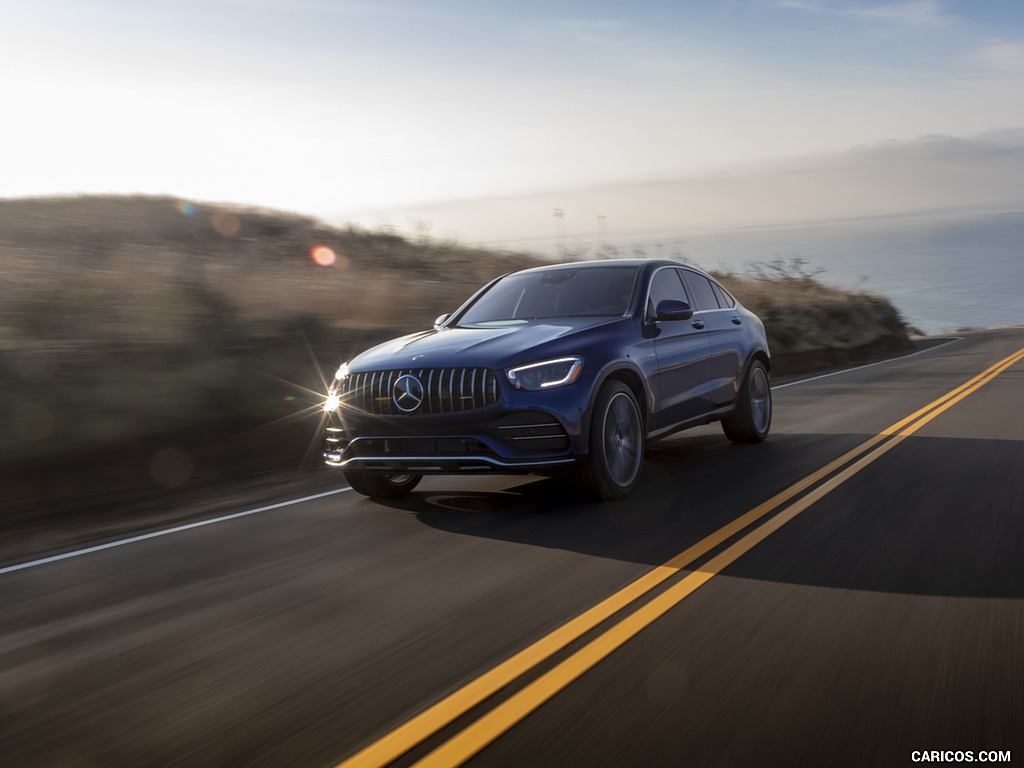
(612,467)
(379,485)
(752,419)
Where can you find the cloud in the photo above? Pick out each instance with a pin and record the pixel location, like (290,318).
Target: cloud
(319,7)
(809,6)
(911,13)
(1003,58)
(915,13)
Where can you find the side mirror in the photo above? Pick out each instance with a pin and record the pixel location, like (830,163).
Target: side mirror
(441,320)
(673,309)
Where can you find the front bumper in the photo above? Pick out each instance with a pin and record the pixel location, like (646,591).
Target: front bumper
(492,440)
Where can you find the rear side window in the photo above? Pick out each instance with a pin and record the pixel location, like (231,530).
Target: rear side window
(702,292)
(725,301)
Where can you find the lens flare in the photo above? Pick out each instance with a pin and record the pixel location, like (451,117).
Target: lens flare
(186,209)
(226,224)
(323,256)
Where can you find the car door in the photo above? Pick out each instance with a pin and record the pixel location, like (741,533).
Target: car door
(683,356)
(724,328)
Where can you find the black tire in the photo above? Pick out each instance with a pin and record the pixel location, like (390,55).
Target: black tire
(611,469)
(752,419)
(380,485)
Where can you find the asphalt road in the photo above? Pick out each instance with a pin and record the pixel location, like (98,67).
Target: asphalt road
(879,613)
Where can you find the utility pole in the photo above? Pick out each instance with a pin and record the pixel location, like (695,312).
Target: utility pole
(560,231)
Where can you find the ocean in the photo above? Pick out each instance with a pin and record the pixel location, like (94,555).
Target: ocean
(942,271)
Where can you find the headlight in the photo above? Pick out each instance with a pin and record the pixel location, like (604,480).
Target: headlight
(333,401)
(545,374)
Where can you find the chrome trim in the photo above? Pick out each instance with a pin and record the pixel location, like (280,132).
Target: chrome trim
(547,424)
(437,461)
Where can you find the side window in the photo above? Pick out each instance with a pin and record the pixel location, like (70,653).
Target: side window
(666,284)
(725,300)
(703,294)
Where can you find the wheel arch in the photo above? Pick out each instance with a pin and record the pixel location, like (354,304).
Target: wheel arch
(629,376)
(758,354)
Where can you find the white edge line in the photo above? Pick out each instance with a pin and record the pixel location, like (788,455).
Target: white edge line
(165,532)
(869,365)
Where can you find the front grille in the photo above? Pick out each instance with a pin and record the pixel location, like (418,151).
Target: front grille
(442,390)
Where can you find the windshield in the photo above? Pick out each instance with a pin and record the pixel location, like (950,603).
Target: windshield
(566,292)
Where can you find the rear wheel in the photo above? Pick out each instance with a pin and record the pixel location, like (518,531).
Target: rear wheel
(612,467)
(752,419)
(380,485)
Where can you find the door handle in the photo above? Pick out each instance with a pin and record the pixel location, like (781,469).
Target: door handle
(698,324)
(737,321)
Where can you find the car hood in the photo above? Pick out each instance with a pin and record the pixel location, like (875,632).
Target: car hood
(492,347)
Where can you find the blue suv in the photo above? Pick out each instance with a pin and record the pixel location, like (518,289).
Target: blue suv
(566,369)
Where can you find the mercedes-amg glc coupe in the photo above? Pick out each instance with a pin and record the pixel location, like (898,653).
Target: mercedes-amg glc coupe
(566,369)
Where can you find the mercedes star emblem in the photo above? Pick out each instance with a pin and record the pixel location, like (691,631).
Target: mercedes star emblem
(407,393)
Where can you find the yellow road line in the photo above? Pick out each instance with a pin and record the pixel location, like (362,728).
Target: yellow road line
(422,726)
(489,727)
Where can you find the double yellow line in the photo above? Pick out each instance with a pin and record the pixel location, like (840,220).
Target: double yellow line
(468,742)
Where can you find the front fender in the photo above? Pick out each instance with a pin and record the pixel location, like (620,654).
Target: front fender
(633,377)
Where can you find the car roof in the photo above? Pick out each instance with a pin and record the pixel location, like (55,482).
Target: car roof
(609,263)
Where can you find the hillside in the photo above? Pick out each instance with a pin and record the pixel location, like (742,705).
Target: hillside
(147,330)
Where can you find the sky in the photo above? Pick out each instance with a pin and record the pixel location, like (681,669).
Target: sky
(479,118)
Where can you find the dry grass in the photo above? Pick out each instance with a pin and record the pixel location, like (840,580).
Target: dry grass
(802,314)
